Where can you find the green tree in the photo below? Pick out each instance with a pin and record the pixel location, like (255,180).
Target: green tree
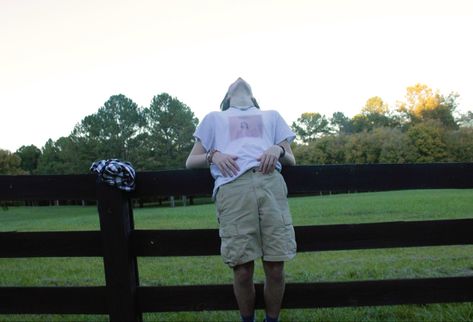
(170,125)
(395,146)
(460,145)
(373,115)
(10,164)
(341,123)
(29,156)
(310,126)
(428,139)
(112,128)
(52,160)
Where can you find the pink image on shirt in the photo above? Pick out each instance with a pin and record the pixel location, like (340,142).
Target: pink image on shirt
(245,126)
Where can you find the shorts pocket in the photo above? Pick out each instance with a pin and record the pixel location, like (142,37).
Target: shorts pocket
(232,245)
(287,218)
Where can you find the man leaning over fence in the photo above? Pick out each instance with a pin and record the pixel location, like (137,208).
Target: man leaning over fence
(243,146)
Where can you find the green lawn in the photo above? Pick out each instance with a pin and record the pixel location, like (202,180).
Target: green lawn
(306,267)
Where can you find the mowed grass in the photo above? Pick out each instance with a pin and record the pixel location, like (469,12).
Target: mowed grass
(306,267)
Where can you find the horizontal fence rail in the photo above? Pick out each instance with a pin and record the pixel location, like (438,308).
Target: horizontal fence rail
(119,243)
(205,242)
(299,179)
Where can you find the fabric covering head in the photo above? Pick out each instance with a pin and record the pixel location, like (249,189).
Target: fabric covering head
(239,95)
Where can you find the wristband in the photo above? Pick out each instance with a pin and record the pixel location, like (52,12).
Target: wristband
(283,153)
(210,155)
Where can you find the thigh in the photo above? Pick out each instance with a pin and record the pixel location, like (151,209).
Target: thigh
(277,231)
(239,231)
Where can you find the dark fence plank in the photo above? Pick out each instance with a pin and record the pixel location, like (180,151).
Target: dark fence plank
(380,292)
(51,187)
(205,242)
(385,235)
(48,300)
(202,242)
(312,295)
(50,244)
(195,242)
(300,180)
(121,270)
(378,177)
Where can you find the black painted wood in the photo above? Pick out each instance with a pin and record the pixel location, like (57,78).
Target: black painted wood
(50,187)
(49,300)
(121,271)
(92,300)
(51,244)
(312,295)
(121,245)
(203,242)
(385,235)
(300,180)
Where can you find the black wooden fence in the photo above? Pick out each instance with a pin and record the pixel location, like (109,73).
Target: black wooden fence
(119,243)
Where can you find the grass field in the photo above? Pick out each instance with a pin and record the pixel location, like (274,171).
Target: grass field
(307,267)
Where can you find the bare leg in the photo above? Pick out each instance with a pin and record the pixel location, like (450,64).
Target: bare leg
(273,287)
(244,288)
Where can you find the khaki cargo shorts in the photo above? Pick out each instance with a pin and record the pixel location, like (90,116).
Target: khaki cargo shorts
(254,219)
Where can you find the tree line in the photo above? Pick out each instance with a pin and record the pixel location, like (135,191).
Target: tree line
(151,138)
(424,127)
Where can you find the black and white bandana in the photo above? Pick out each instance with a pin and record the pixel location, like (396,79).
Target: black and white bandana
(115,173)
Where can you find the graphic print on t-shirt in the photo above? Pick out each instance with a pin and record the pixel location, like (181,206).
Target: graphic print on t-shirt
(245,126)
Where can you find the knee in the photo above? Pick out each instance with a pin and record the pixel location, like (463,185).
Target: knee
(274,271)
(243,273)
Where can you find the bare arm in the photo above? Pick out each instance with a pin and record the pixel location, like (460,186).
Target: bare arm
(225,162)
(288,158)
(197,157)
(270,157)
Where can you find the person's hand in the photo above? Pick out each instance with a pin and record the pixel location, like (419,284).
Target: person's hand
(269,159)
(226,163)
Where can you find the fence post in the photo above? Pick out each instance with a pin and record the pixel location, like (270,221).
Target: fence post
(121,271)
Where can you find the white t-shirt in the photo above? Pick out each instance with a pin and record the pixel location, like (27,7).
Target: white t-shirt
(246,134)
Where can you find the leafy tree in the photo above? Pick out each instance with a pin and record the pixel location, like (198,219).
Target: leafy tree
(170,125)
(51,160)
(428,138)
(310,126)
(466,119)
(363,147)
(328,149)
(112,128)
(29,156)
(375,105)
(460,145)
(373,115)
(341,123)
(423,104)
(10,164)
(395,146)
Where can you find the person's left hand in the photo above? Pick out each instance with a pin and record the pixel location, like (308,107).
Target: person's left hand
(269,159)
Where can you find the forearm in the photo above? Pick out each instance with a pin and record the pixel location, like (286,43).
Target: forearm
(195,161)
(288,157)
(197,157)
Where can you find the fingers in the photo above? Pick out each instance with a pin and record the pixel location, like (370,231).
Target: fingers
(267,163)
(227,164)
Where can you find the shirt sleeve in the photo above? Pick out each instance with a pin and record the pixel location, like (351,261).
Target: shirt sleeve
(205,132)
(282,130)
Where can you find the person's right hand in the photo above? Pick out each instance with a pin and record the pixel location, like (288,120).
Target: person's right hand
(226,163)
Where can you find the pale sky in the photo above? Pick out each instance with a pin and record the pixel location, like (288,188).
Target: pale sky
(61,60)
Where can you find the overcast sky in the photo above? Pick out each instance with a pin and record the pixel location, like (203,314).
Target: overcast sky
(61,60)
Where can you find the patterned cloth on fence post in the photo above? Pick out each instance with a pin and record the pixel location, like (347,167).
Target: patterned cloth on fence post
(115,173)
